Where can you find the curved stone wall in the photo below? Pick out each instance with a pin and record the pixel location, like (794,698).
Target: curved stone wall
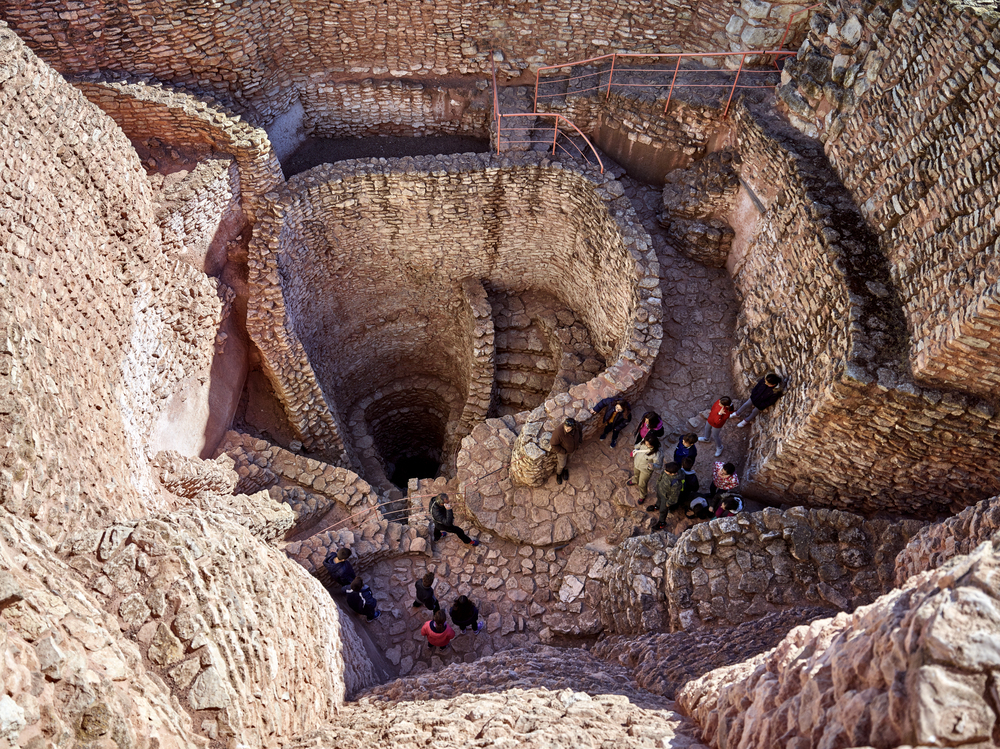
(369,263)
(273,57)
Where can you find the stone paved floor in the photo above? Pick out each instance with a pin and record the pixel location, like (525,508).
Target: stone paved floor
(517,586)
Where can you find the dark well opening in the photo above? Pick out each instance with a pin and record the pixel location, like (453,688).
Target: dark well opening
(315,151)
(414,467)
(408,429)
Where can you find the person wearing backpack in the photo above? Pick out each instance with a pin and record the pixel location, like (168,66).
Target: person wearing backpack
(341,571)
(362,600)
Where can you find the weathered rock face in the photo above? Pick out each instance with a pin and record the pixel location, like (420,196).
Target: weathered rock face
(242,636)
(532,697)
(936,544)
(70,676)
(103,329)
(663,663)
(915,667)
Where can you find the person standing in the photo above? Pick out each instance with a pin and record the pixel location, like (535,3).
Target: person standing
(668,492)
(722,409)
(425,593)
(616,413)
(444,520)
(764,395)
(465,614)
(565,440)
(687,447)
(689,486)
(646,458)
(437,631)
(724,479)
(651,424)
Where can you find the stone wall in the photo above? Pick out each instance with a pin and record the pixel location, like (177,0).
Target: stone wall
(853,431)
(958,535)
(913,668)
(920,79)
(261,57)
(736,569)
(517,223)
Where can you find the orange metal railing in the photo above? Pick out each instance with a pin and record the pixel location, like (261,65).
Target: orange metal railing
(788,26)
(521,135)
(657,69)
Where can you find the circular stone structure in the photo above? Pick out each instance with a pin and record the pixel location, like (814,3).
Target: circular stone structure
(380,272)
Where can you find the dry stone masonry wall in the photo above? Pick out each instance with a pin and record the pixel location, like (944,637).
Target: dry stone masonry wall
(820,308)
(921,79)
(274,57)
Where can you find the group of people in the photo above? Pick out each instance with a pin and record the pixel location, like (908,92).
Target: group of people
(361,600)
(677,485)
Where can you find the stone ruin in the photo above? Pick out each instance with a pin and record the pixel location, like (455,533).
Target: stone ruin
(213,374)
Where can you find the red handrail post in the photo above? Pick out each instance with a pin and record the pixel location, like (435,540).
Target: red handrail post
(555,133)
(611,75)
(498,132)
(534,105)
(735,81)
(672,82)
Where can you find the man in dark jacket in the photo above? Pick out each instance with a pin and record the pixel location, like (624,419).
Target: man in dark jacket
(565,440)
(668,492)
(764,395)
(444,520)
(616,413)
(362,600)
(341,571)
(424,588)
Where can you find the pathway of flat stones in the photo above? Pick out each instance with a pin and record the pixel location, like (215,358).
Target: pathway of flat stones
(520,588)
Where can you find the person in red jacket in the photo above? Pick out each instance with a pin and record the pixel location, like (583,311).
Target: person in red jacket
(437,631)
(722,409)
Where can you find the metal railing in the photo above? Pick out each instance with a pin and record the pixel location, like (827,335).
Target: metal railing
(657,71)
(522,135)
(532,127)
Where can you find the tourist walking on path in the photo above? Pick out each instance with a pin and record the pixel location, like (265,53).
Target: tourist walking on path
(362,600)
(616,413)
(722,409)
(687,447)
(464,614)
(341,571)
(444,520)
(764,395)
(646,458)
(425,593)
(651,424)
(565,440)
(668,492)
(724,479)
(437,631)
